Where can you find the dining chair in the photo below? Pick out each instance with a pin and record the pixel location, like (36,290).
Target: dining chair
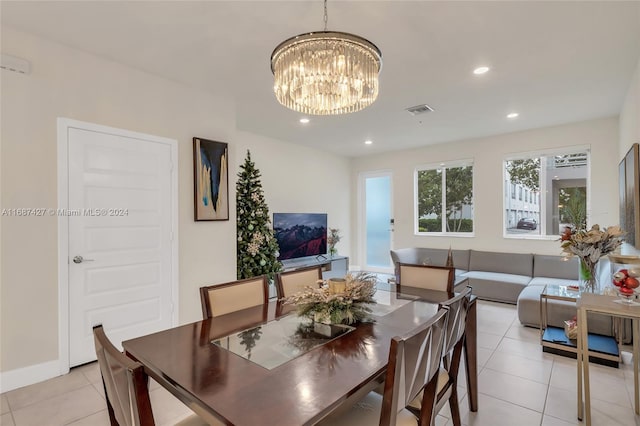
(290,282)
(126,386)
(412,370)
(220,299)
(426,276)
(447,388)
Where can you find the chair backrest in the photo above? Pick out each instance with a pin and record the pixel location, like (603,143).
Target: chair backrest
(290,282)
(458,307)
(233,296)
(414,361)
(426,276)
(125,384)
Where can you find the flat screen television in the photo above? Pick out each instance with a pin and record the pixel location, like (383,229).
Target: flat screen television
(300,234)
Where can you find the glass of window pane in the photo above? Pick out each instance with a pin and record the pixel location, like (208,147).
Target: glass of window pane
(430,200)
(459,199)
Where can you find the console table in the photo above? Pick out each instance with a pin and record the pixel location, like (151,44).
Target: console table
(610,306)
(332,266)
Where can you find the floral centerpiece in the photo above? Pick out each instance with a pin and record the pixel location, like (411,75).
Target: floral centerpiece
(590,246)
(330,307)
(332,239)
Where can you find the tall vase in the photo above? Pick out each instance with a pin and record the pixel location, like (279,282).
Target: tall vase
(587,276)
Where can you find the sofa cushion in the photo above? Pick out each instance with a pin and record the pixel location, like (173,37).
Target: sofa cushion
(557,312)
(495,276)
(430,256)
(555,267)
(542,281)
(507,263)
(499,291)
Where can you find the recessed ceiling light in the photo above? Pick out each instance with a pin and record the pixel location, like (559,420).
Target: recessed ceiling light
(304,120)
(368,142)
(513,115)
(480,70)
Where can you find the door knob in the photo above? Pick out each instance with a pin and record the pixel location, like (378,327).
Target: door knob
(80,259)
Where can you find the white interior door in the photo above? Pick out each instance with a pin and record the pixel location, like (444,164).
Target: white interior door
(120,257)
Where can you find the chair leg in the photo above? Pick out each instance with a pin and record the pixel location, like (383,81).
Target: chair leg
(455,406)
(428,404)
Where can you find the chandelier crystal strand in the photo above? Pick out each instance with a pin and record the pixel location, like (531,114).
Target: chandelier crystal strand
(326,73)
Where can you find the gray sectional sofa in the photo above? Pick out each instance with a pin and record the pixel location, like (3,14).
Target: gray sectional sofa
(516,278)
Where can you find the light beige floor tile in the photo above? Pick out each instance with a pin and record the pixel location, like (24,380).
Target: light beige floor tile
(564,373)
(6,420)
(4,404)
(167,409)
(519,391)
(61,409)
(40,391)
(562,403)
(522,348)
(520,332)
(604,413)
(493,327)
(496,412)
(100,418)
(99,387)
(91,371)
(488,341)
(601,382)
(552,421)
(441,421)
(539,371)
(153,385)
(483,356)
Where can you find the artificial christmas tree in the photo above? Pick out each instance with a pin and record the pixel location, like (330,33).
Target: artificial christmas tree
(257,247)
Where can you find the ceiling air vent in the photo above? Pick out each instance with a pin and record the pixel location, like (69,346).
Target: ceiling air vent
(11,63)
(420,109)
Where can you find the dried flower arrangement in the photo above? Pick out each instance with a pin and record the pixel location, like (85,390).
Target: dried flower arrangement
(321,305)
(590,246)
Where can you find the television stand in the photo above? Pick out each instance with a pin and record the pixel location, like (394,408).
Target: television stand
(332,267)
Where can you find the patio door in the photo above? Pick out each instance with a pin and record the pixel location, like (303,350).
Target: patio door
(376,221)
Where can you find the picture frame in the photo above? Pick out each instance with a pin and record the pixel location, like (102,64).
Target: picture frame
(210,180)
(629,195)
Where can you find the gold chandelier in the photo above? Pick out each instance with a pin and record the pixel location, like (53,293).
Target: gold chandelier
(326,72)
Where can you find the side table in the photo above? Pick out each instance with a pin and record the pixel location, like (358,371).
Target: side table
(602,349)
(608,305)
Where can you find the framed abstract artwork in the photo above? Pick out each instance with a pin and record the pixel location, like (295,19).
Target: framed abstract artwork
(211,180)
(629,194)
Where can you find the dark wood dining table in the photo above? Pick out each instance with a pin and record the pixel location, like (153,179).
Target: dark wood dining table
(222,386)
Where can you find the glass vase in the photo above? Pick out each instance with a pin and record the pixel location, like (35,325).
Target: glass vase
(587,276)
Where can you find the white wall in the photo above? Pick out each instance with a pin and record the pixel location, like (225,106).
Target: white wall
(69,83)
(630,115)
(297,179)
(488,154)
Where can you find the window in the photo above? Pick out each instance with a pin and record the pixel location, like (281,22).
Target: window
(445,192)
(555,192)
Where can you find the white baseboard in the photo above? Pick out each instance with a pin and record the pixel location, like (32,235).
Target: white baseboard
(14,379)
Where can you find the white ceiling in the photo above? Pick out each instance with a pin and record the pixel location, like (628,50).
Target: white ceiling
(553,62)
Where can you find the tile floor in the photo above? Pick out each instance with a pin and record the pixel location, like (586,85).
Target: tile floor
(519,386)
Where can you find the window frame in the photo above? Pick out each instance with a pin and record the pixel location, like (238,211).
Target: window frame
(436,166)
(541,199)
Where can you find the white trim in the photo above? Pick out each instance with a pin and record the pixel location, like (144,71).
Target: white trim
(550,152)
(64,124)
(25,376)
(63,246)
